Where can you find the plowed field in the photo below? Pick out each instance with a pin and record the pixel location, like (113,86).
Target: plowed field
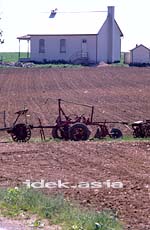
(119,94)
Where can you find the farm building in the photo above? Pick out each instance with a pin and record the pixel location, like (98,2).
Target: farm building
(140,55)
(77,37)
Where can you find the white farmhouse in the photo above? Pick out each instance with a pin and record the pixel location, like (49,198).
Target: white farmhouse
(140,55)
(77,37)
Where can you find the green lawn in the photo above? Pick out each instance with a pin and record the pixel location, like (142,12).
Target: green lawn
(13,57)
(10,56)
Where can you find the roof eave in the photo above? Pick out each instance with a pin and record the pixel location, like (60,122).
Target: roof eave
(25,37)
(31,35)
(139,46)
(121,34)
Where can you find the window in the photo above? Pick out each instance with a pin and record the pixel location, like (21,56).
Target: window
(84,41)
(62,45)
(41,46)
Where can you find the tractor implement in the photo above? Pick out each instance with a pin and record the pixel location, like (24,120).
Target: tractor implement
(66,127)
(20,132)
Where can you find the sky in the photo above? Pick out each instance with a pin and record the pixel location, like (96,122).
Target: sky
(21,17)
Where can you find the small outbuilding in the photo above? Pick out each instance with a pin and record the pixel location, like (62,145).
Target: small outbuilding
(140,55)
(90,37)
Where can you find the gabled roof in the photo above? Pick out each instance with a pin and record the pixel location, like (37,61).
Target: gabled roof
(121,34)
(71,23)
(137,46)
(77,23)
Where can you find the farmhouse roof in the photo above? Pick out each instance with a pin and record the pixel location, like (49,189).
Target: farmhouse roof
(71,23)
(137,46)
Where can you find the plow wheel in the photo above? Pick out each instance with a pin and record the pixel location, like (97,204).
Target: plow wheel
(116,133)
(21,133)
(79,132)
(60,132)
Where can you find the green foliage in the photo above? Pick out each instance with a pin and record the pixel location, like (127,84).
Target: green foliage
(11,56)
(14,201)
(121,63)
(123,139)
(58,65)
(78,219)
(37,223)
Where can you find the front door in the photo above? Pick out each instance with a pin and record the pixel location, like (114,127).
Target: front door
(84,49)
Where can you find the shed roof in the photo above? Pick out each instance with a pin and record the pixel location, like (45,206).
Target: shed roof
(137,46)
(25,37)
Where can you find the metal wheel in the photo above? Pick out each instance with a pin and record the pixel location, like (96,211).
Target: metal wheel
(139,132)
(79,132)
(60,132)
(21,133)
(116,133)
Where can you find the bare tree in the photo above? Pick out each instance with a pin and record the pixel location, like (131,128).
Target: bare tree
(1,36)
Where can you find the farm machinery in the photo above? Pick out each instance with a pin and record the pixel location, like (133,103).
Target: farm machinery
(141,129)
(76,128)
(20,132)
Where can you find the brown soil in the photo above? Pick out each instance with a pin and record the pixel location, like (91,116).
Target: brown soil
(119,94)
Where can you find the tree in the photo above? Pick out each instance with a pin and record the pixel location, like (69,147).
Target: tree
(1,36)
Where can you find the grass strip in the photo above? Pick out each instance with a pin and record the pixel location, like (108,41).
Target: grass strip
(14,201)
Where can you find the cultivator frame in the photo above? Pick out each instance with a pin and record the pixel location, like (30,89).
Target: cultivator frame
(77,129)
(67,128)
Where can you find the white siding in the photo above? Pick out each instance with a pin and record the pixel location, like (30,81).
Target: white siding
(103,53)
(116,44)
(140,55)
(102,44)
(52,47)
(100,31)
(127,58)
